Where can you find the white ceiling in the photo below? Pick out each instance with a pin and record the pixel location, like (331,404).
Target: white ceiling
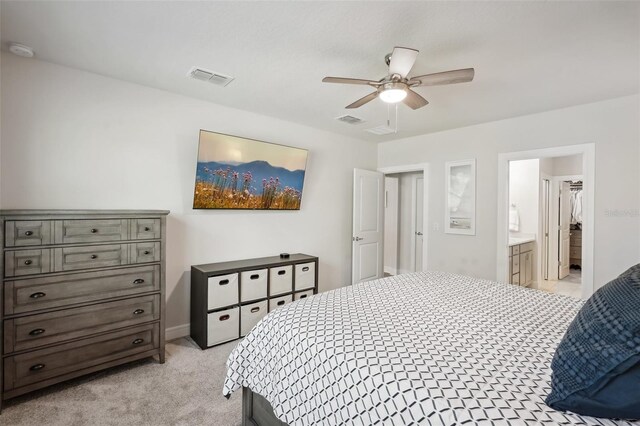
(528,56)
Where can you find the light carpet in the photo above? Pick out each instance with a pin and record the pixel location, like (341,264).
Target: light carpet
(186,390)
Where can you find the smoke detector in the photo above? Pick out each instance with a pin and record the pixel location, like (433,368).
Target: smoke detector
(212,77)
(350,119)
(21,50)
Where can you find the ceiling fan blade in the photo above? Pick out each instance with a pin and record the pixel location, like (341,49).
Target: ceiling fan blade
(440,78)
(402,60)
(362,101)
(342,80)
(414,101)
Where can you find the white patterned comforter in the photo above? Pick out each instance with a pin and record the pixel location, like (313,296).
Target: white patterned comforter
(427,348)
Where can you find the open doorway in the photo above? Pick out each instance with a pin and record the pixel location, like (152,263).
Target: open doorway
(545,224)
(403,222)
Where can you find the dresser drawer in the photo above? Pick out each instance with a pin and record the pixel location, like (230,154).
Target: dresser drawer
(20,233)
(515,264)
(253,285)
(280,280)
(575,252)
(22,296)
(305,276)
(145,229)
(223,326)
(250,315)
(89,257)
(36,366)
(277,302)
(144,252)
(55,327)
(27,262)
(90,230)
(222,290)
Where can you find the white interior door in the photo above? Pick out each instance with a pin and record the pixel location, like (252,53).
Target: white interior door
(391,192)
(419,240)
(368,212)
(564,233)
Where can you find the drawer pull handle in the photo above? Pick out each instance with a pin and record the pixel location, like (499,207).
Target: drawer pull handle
(224,317)
(94,231)
(94,256)
(36,367)
(36,332)
(137,341)
(282,272)
(138,281)
(305,269)
(303,296)
(37,295)
(255,276)
(147,252)
(224,282)
(280,302)
(28,262)
(147,229)
(254,310)
(138,312)
(28,233)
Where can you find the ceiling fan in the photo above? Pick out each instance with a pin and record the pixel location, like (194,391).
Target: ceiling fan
(396,87)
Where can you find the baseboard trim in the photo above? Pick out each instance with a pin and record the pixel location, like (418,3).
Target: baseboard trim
(177,332)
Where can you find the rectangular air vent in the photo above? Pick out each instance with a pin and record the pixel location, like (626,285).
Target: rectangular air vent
(350,119)
(380,130)
(210,76)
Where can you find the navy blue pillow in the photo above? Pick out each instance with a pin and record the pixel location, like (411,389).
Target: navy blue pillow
(596,368)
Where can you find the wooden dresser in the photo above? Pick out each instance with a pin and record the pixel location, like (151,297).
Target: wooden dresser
(229,298)
(82,291)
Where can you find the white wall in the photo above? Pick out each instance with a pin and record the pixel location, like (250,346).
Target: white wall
(72,139)
(524,184)
(614,128)
(567,166)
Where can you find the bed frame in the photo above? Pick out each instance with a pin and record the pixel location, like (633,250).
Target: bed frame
(256,411)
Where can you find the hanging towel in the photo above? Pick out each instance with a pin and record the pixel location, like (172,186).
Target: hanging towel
(514,219)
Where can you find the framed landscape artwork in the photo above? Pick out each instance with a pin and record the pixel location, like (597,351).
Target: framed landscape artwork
(240,173)
(460,214)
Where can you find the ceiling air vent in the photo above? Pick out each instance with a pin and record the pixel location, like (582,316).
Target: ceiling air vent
(210,76)
(380,130)
(350,119)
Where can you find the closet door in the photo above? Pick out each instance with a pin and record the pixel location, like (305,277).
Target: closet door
(564,236)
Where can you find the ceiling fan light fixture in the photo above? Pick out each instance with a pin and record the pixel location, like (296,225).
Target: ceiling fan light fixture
(393,96)
(394,92)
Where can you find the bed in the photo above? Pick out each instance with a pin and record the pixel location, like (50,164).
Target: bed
(427,348)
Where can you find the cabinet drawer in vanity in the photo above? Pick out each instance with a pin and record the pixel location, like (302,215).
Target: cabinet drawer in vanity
(27,262)
(22,233)
(28,295)
(69,359)
(34,331)
(90,231)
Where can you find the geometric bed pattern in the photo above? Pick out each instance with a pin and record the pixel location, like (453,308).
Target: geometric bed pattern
(428,348)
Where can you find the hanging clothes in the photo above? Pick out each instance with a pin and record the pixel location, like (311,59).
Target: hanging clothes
(576,210)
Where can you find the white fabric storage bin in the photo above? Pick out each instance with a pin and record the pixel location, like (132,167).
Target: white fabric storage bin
(253,285)
(303,295)
(250,315)
(222,291)
(305,276)
(280,280)
(223,326)
(278,302)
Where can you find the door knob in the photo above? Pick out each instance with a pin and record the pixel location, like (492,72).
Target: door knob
(418,233)
(357,239)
